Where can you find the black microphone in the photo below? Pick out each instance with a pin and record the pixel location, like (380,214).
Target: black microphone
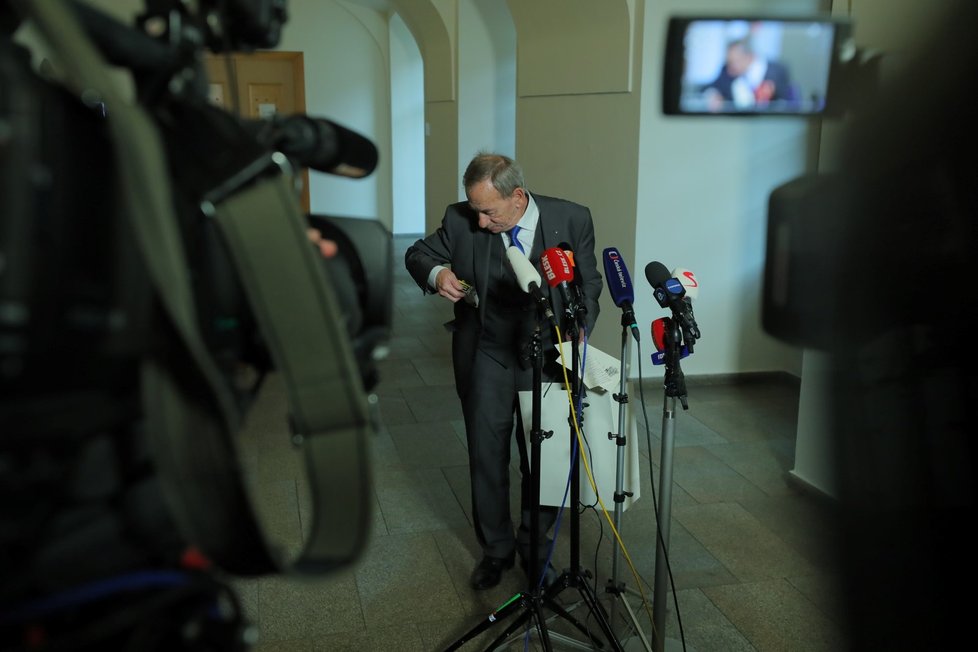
(558,269)
(670,293)
(576,286)
(529,280)
(620,286)
(559,272)
(317,143)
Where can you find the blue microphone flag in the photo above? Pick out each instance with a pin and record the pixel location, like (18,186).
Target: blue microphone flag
(616,274)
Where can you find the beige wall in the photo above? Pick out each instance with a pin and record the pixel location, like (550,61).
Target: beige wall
(577,117)
(487,89)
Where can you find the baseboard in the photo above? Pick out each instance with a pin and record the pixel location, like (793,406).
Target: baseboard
(744,378)
(741,378)
(803,486)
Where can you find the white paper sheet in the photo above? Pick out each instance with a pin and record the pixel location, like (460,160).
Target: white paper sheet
(601,371)
(600,418)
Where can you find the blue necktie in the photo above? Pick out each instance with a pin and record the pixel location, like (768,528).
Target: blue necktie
(514,240)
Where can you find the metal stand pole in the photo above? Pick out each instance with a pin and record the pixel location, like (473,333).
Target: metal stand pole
(616,588)
(675,386)
(575,577)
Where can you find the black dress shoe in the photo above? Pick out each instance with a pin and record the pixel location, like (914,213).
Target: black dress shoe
(489,571)
(549,577)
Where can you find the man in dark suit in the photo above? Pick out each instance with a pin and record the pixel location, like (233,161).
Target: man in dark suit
(493,324)
(749,81)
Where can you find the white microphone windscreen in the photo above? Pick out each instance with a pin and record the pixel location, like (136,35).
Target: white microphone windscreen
(525,272)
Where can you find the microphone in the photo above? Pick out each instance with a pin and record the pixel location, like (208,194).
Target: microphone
(670,293)
(557,268)
(666,289)
(662,336)
(692,287)
(317,143)
(659,357)
(528,279)
(688,280)
(620,287)
(570,256)
(659,327)
(576,284)
(559,272)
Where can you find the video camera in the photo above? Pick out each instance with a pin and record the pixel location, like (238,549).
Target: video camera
(873,267)
(802,67)
(155,268)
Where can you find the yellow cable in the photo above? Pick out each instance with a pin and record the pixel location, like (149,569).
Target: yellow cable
(594,487)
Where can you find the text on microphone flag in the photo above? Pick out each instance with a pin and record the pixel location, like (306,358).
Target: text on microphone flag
(615,259)
(547,269)
(674,286)
(546,262)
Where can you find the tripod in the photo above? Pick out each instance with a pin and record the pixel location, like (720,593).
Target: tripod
(614,587)
(575,577)
(531,602)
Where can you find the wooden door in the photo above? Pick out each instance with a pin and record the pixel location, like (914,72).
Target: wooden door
(266,84)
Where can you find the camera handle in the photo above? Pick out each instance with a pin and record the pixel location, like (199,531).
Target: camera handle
(297,310)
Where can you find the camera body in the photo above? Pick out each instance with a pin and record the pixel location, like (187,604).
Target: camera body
(138,277)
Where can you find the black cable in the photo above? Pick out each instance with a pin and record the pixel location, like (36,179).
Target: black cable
(597,546)
(590,613)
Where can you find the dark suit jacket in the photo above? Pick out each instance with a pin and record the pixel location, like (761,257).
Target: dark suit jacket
(462,245)
(776,72)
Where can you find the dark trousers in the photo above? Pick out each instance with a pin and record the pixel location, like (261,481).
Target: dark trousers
(491,410)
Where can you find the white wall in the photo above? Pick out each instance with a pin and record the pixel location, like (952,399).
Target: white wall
(346,64)
(702,204)
(407,129)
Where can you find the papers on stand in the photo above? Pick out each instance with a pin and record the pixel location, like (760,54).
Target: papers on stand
(601,371)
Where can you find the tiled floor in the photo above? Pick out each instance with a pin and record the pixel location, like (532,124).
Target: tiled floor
(749,553)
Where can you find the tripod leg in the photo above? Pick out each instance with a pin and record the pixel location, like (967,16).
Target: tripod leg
(598,611)
(534,612)
(636,627)
(566,615)
(497,616)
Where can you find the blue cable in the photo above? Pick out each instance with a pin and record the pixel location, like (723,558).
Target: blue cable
(573,456)
(137,581)
(563,502)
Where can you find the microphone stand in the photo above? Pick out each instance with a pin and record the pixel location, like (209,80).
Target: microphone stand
(674,387)
(574,576)
(614,587)
(532,601)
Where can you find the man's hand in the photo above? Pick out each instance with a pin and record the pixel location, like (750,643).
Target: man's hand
(448,286)
(327,248)
(765,92)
